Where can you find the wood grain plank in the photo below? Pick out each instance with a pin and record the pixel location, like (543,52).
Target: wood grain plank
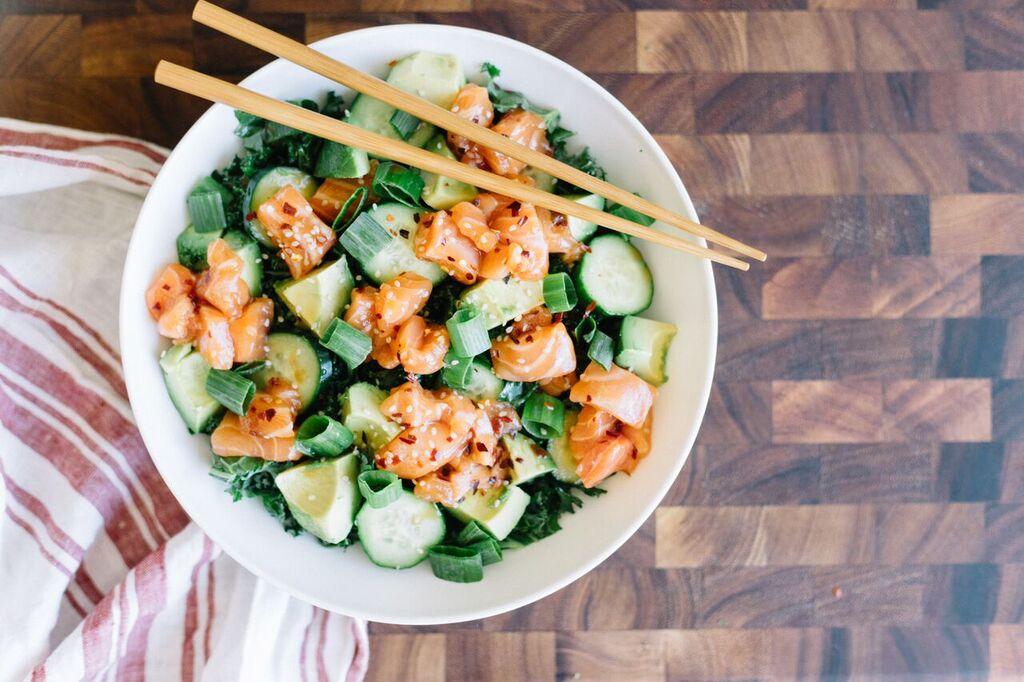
(970,472)
(47,46)
(752,102)
(714,654)
(220,54)
(987,101)
(114,103)
(940,410)
(611,656)
(994,40)
(738,412)
(878,102)
(804,164)
(1011,479)
(1004,539)
(983,224)
(756,597)
(880,349)
(415,5)
(857,595)
(826,411)
(610,43)
(711,165)
(995,162)
(1009,595)
(66,7)
(911,41)
(879,473)
(637,552)
(1006,651)
(911,163)
(662,102)
(837,5)
(930,534)
(480,656)
(1007,407)
(716,41)
(755,350)
(1001,280)
(132,45)
(906,652)
(801,41)
(912,287)
(972,347)
(739,474)
(416,658)
(739,293)
(1013,356)
(166,114)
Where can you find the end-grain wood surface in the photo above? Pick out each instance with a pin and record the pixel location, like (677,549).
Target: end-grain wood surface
(855,504)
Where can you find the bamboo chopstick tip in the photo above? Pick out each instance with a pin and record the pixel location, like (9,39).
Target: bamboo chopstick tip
(200,9)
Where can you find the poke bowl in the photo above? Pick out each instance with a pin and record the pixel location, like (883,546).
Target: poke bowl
(302,335)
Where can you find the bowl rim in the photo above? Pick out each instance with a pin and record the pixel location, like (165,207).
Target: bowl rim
(228,544)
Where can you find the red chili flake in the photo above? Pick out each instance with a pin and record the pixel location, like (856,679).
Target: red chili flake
(514,207)
(288,209)
(408,440)
(433,454)
(519,459)
(556,318)
(590,398)
(157,306)
(250,216)
(521,221)
(166,287)
(559,219)
(404,233)
(450,258)
(529,338)
(526,254)
(480,447)
(270,413)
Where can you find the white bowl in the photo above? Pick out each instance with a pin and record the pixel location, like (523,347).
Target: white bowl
(345,581)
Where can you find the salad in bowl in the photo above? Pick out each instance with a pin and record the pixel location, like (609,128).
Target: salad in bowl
(394,359)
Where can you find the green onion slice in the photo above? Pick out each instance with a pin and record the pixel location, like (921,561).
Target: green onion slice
(398,183)
(559,293)
(206,205)
(456,564)
(489,550)
(230,389)
(468,333)
(404,123)
(585,330)
(457,371)
(365,238)
(379,488)
(471,533)
(543,415)
(340,221)
(350,344)
(601,349)
(321,436)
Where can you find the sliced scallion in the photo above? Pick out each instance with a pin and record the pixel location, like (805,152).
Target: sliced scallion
(379,488)
(601,349)
(399,183)
(230,389)
(345,216)
(468,333)
(350,344)
(559,292)
(489,550)
(365,238)
(457,372)
(543,415)
(206,205)
(321,436)
(404,123)
(585,330)
(471,533)
(456,564)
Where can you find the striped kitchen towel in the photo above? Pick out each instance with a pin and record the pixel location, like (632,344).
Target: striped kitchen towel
(102,576)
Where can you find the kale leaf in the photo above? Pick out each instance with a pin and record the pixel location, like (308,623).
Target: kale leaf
(549,499)
(253,477)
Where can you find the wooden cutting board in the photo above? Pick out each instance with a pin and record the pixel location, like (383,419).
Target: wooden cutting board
(853,506)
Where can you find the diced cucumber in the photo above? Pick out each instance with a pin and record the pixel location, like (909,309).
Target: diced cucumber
(398,535)
(323,496)
(299,361)
(502,300)
(582,230)
(497,510)
(541,180)
(643,348)
(529,460)
(318,298)
(440,192)
(561,453)
(192,245)
(437,78)
(360,412)
(399,255)
(341,161)
(246,248)
(615,276)
(266,185)
(185,373)
(483,383)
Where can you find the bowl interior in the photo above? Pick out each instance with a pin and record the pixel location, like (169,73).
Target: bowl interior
(345,581)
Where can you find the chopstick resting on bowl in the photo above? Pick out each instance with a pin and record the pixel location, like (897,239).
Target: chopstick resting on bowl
(282,46)
(237,97)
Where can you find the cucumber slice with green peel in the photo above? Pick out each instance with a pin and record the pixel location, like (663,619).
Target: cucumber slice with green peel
(614,276)
(501,300)
(483,383)
(529,460)
(323,496)
(185,373)
(582,230)
(435,77)
(497,510)
(246,248)
(561,453)
(643,348)
(319,297)
(297,360)
(541,180)
(264,186)
(360,413)
(192,245)
(399,534)
(440,192)
(399,255)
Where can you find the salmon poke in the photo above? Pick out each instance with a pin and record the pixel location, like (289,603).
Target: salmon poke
(391,358)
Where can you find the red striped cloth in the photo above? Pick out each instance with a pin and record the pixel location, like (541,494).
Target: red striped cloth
(102,576)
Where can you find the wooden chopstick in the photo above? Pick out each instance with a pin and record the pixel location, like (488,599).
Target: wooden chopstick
(216,90)
(270,41)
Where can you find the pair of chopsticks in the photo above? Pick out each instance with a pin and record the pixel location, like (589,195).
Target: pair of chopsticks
(216,90)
